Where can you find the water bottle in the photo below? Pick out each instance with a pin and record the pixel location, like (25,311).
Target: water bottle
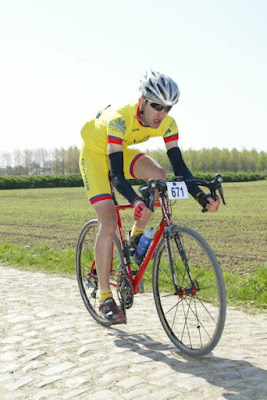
(143,245)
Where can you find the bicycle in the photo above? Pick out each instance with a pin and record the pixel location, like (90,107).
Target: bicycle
(188,286)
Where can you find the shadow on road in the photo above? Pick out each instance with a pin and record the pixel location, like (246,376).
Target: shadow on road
(240,378)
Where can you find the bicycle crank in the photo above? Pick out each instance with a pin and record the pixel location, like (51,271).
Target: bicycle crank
(125,293)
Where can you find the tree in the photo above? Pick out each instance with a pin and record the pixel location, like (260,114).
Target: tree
(262,162)
(27,157)
(18,162)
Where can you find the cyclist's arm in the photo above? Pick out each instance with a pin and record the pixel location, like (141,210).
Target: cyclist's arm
(179,167)
(118,180)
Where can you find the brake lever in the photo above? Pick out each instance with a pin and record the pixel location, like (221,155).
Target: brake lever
(221,194)
(151,200)
(216,185)
(152,184)
(219,180)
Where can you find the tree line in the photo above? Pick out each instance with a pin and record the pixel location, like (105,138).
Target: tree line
(66,161)
(40,162)
(218,160)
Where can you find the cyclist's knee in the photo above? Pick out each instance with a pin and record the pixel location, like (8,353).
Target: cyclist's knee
(107,223)
(159,174)
(108,227)
(107,218)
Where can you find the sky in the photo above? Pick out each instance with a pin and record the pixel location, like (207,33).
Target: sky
(62,61)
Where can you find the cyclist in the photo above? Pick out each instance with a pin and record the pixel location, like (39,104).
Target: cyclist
(105,150)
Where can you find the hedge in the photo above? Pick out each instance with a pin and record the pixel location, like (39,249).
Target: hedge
(40,181)
(75,180)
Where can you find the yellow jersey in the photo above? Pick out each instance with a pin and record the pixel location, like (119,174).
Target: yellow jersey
(124,127)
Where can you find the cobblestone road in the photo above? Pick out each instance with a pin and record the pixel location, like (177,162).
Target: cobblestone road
(52,349)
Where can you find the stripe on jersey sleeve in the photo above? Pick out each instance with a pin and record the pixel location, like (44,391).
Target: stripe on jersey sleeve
(171,138)
(114,139)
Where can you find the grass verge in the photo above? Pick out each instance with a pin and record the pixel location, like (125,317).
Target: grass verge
(39,258)
(246,290)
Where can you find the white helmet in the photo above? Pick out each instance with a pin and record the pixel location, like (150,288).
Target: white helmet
(159,88)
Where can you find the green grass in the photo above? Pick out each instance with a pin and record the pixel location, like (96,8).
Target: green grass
(39,258)
(39,229)
(247,290)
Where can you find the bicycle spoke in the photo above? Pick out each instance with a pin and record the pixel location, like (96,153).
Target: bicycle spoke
(206,309)
(186,326)
(199,322)
(176,305)
(174,317)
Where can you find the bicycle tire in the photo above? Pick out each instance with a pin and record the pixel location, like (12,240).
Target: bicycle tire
(193,322)
(88,284)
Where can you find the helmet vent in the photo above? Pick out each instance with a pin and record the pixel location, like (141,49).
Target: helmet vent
(159,88)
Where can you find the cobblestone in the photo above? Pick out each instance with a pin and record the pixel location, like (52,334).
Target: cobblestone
(130,382)
(51,348)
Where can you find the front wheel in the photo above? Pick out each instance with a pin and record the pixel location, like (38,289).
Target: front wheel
(86,270)
(190,299)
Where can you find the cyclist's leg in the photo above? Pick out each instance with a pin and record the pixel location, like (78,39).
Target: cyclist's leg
(142,166)
(146,167)
(107,219)
(94,168)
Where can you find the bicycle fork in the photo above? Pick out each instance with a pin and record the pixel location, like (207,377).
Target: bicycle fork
(178,290)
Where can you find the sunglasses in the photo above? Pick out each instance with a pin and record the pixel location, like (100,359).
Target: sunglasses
(160,107)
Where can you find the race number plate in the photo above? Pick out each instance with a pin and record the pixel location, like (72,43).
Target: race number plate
(177,190)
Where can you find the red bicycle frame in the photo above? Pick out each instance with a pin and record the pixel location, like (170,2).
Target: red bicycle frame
(165,220)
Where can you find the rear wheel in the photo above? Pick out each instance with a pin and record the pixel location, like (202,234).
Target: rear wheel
(86,271)
(194,315)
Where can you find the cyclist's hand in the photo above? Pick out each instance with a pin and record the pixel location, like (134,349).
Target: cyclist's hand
(139,207)
(207,202)
(213,205)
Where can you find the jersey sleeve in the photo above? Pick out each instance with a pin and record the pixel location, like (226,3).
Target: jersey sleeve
(171,133)
(116,128)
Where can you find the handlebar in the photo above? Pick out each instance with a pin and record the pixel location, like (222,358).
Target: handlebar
(148,190)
